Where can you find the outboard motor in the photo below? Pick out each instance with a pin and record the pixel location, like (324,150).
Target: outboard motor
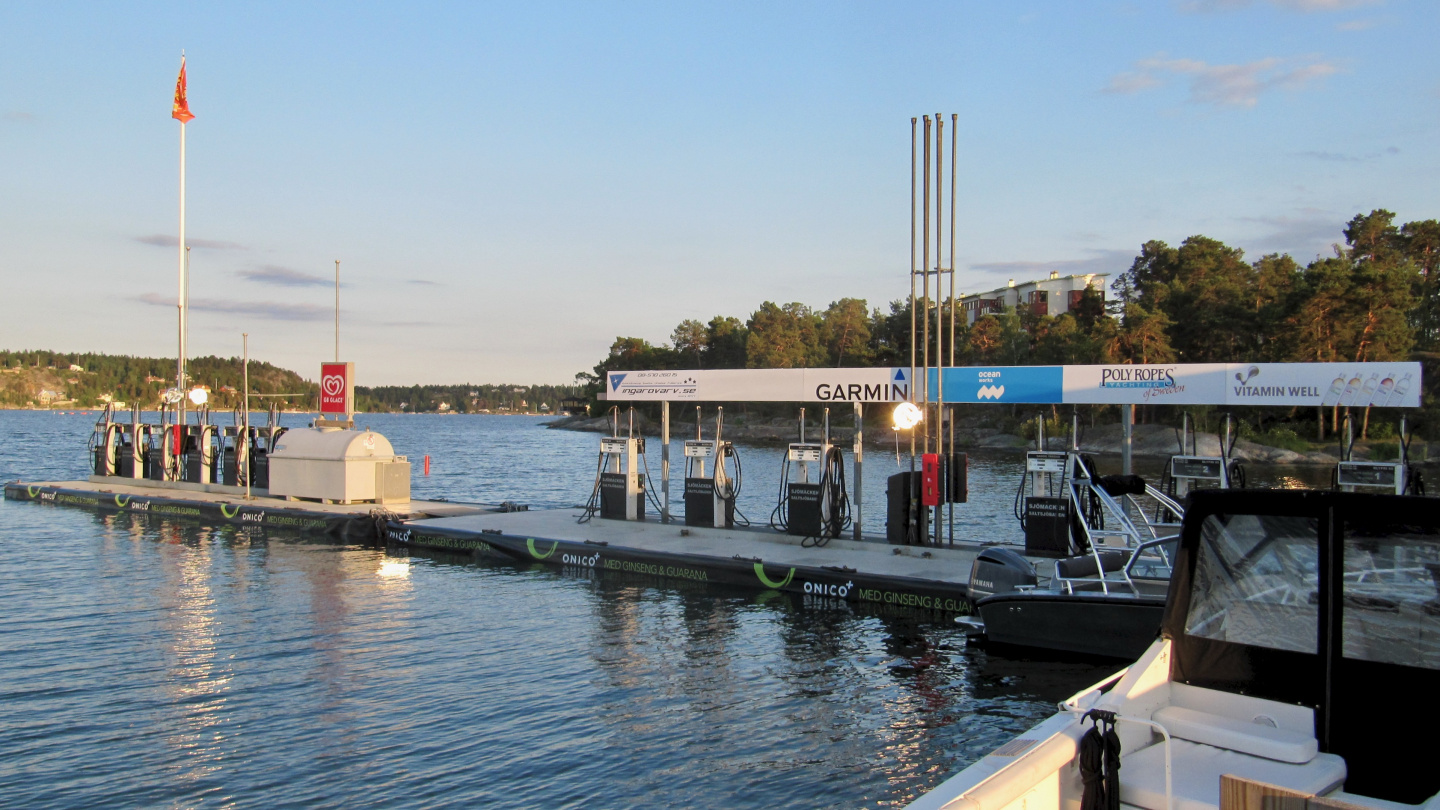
(999,570)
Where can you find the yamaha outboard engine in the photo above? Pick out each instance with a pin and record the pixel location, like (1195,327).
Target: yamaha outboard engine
(999,570)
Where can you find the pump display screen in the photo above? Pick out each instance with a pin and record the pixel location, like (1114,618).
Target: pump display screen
(1045,462)
(613,446)
(1358,473)
(697,449)
(1204,467)
(805,452)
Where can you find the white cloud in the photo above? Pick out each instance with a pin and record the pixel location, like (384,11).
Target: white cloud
(1224,85)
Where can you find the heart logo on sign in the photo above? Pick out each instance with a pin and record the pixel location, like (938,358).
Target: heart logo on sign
(333,385)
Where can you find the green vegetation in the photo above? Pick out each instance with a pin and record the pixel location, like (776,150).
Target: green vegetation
(1376,299)
(56,379)
(84,380)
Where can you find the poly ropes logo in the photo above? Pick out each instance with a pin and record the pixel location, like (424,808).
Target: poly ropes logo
(333,385)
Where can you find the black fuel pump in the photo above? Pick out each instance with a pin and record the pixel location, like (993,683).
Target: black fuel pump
(820,510)
(710,499)
(619,492)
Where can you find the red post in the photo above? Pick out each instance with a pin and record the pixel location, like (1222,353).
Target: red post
(930,479)
(427,465)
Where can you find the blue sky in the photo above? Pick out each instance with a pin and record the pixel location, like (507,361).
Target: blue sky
(511,186)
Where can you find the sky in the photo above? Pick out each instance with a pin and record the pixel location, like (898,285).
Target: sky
(510,186)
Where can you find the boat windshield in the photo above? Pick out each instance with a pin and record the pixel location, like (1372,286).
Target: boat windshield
(1392,595)
(1256,582)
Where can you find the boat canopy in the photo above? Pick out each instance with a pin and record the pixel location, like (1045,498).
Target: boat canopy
(1325,599)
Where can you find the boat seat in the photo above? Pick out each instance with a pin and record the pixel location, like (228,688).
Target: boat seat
(1084,565)
(1195,771)
(1237,735)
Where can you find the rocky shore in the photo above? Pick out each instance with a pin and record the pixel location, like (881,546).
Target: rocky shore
(1157,441)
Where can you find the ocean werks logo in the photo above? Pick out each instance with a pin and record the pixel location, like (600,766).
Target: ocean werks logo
(990,392)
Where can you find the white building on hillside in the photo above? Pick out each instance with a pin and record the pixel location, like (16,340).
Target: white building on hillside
(1052,296)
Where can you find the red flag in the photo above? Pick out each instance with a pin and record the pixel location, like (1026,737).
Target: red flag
(181,110)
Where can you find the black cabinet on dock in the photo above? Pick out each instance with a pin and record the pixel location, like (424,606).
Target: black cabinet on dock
(906,521)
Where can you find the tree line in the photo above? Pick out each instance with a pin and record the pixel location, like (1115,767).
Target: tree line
(1376,299)
(90,380)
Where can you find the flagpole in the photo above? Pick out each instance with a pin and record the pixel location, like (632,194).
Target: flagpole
(180,361)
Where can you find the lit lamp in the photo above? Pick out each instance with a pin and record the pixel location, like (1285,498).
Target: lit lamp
(906,416)
(199,396)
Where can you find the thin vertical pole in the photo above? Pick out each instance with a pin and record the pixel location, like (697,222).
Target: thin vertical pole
(859,452)
(337,310)
(914,384)
(665,460)
(954,159)
(914,387)
(242,451)
(1127,418)
(183,285)
(925,270)
(939,313)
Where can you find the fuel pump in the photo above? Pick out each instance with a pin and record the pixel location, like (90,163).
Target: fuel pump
(710,499)
(818,509)
(199,448)
(105,441)
(1389,477)
(619,492)
(1189,471)
(1042,503)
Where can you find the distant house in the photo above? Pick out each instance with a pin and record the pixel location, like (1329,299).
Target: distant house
(47,396)
(150,379)
(1052,296)
(74,367)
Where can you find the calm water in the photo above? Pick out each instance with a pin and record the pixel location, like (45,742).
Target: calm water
(145,663)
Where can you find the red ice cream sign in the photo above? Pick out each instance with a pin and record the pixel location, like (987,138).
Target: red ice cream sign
(337,388)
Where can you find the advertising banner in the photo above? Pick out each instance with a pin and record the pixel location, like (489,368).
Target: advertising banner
(1024,384)
(337,389)
(1379,385)
(761,385)
(1354,385)
(1169,384)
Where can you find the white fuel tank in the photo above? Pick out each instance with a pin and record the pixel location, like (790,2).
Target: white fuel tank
(344,466)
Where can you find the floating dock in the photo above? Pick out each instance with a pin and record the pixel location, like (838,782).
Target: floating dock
(874,572)
(211,503)
(859,572)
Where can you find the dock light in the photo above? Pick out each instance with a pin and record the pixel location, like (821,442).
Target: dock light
(172,396)
(199,396)
(906,416)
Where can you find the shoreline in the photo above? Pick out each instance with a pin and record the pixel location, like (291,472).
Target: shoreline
(1148,441)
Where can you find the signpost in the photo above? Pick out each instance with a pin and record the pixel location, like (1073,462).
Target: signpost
(337,394)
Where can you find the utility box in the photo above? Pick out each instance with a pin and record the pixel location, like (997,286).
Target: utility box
(343,466)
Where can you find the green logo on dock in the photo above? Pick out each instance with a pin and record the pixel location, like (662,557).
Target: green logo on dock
(120,502)
(32,490)
(225,509)
(769,583)
(530,544)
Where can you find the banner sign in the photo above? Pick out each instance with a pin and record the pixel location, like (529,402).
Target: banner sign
(1380,385)
(337,389)
(1357,385)
(761,385)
